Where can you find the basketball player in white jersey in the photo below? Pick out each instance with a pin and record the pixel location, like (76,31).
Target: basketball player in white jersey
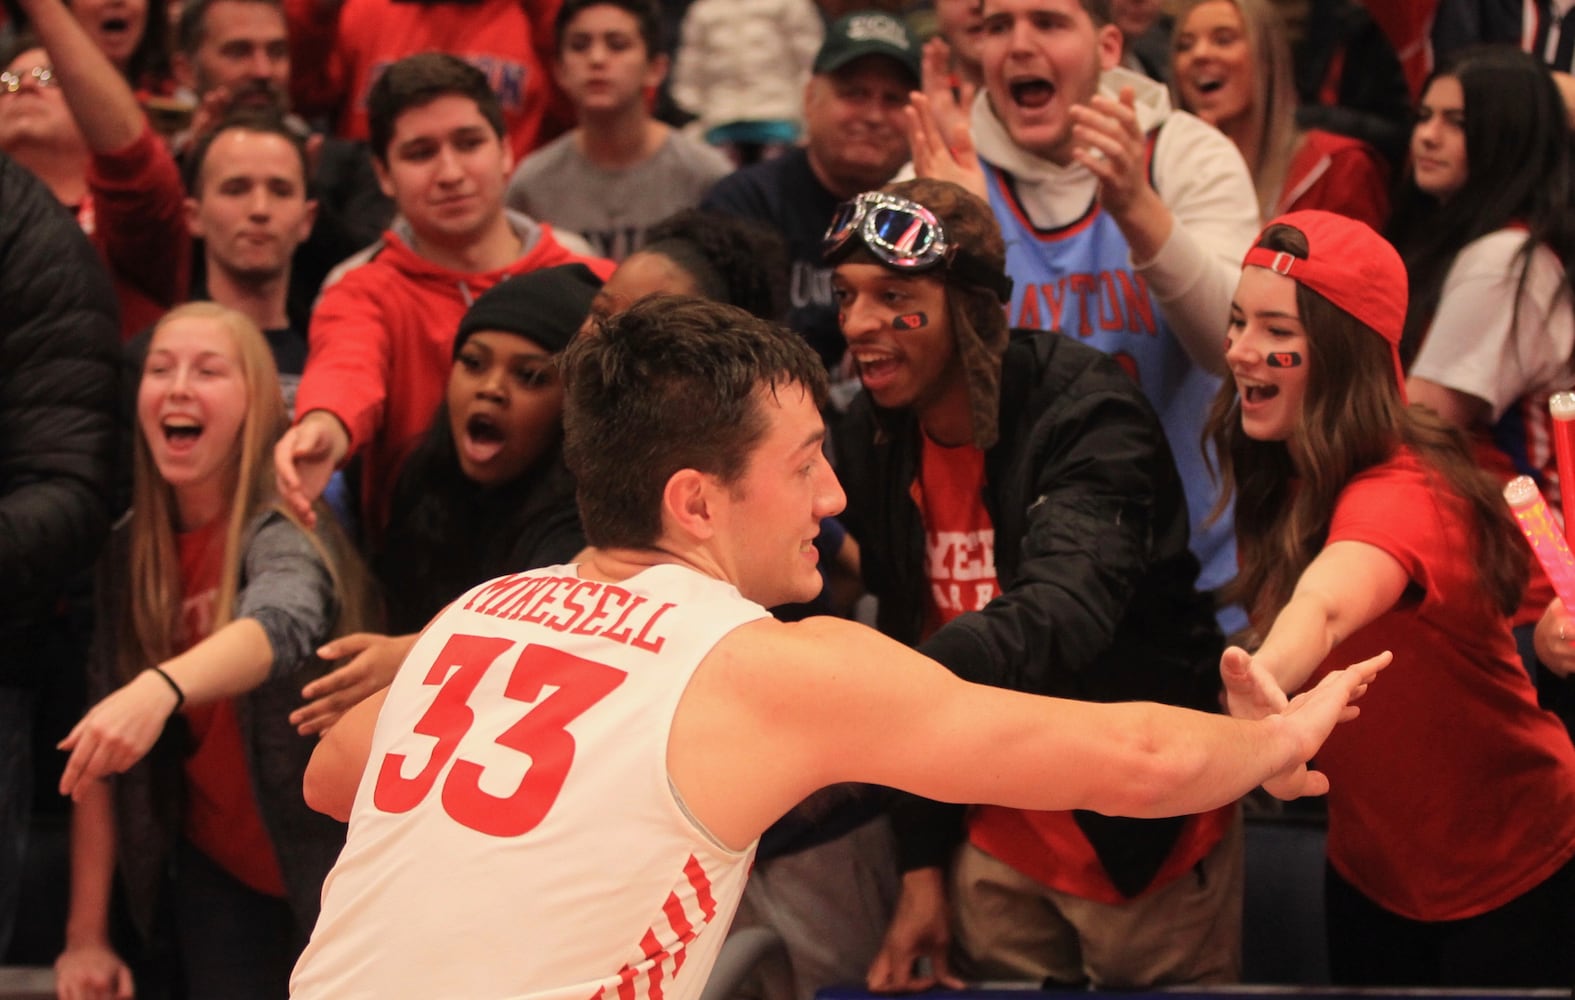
(561,795)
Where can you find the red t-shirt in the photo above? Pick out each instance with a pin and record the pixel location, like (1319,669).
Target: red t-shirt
(1453,793)
(221,818)
(959,561)
(959,538)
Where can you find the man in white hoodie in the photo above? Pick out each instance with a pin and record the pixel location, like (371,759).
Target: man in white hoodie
(1124,222)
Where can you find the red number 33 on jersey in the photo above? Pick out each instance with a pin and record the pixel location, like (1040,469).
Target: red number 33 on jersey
(540,733)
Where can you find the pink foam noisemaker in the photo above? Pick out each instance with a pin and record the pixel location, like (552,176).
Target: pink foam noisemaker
(1542,531)
(1562,406)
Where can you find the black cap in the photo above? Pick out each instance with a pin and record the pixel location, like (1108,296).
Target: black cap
(546,306)
(868,33)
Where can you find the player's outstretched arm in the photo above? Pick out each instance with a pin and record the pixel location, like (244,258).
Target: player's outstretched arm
(839,702)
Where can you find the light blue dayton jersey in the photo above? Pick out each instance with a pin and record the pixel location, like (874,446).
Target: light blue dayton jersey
(1079,279)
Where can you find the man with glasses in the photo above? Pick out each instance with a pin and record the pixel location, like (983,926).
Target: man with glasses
(1020,519)
(83,134)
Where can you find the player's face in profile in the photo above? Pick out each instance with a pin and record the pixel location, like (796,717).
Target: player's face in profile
(771,515)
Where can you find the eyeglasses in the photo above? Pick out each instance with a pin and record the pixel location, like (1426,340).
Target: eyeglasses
(42,76)
(905,236)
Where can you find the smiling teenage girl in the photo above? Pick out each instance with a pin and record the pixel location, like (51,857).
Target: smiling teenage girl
(1364,525)
(210,602)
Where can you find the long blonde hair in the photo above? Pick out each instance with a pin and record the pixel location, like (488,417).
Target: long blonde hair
(1271,119)
(152,612)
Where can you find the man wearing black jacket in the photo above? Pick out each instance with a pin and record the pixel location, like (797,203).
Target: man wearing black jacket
(1021,520)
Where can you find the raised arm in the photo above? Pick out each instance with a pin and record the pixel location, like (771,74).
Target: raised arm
(342,392)
(1188,228)
(118,731)
(100,99)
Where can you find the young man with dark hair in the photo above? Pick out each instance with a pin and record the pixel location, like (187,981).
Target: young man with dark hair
(613,736)
(381,336)
(620,170)
(1020,520)
(235,55)
(250,209)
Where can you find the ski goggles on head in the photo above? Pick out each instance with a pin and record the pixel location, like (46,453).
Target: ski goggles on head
(905,236)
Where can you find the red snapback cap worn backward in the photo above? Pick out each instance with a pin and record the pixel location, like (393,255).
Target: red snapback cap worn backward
(1350,265)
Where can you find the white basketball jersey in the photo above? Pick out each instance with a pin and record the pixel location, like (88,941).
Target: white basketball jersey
(515,834)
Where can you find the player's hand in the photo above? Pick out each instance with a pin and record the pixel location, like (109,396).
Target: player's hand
(1555,639)
(1108,140)
(919,934)
(92,972)
(117,732)
(305,458)
(1312,715)
(374,660)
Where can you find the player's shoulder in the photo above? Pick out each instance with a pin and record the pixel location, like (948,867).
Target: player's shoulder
(765,651)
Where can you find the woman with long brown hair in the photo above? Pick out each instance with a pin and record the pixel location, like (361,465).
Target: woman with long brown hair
(1363,525)
(211,598)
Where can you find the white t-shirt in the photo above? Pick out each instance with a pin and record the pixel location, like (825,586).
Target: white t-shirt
(1472,347)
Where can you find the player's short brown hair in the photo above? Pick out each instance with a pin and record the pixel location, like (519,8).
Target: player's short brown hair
(670,383)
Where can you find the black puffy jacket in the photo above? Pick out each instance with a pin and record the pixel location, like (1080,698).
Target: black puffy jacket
(59,352)
(1098,588)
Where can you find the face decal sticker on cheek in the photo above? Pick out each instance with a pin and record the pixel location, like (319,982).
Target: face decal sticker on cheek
(909,321)
(1284,359)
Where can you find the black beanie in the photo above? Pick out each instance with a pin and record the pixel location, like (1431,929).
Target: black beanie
(546,306)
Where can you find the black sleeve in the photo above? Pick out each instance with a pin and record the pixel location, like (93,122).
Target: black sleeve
(1099,463)
(59,386)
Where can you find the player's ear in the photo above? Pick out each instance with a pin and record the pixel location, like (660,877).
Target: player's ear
(686,503)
